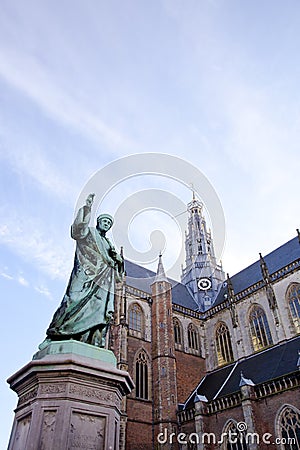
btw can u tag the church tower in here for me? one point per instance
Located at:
(163, 358)
(202, 274)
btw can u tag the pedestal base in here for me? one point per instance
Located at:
(68, 401)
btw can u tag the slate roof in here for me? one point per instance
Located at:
(261, 367)
(141, 278)
(276, 260)
(182, 297)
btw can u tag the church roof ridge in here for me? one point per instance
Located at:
(252, 274)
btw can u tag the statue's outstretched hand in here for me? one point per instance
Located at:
(89, 200)
(79, 228)
(86, 209)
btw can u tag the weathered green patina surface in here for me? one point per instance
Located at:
(88, 304)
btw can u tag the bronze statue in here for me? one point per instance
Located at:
(88, 304)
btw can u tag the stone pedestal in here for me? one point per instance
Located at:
(70, 398)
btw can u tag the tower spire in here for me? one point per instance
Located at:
(160, 273)
(202, 274)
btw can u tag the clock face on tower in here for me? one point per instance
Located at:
(204, 284)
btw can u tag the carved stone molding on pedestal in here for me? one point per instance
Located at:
(68, 401)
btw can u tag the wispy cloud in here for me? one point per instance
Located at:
(259, 141)
(26, 73)
(43, 290)
(20, 279)
(27, 238)
(6, 275)
(32, 162)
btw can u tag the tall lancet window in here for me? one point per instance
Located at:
(233, 438)
(142, 376)
(293, 298)
(288, 428)
(259, 328)
(177, 332)
(135, 320)
(223, 344)
(193, 337)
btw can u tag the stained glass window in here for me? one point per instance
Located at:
(135, 317)
(259, 328)
(193, 338)
(223, 344)
(289, 428)
(293, 295)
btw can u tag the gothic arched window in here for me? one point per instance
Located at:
(177, 331)
(259, 328)
(223, 344)
(135, 318)
(142, 376)
(293, 298)
(233, 439)
(193, 338)
(288, 428)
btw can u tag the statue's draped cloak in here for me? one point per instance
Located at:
(90, 292)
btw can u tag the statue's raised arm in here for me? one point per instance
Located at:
(80, 227)
(88, 303)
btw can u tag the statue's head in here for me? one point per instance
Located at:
(104, 222)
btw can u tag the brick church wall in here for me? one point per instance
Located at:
(190, 369)
(265, 412)
(139, 434)
(216, 423)
(139, 412)
(135, 344)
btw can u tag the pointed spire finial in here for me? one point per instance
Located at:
(264, 269)
(193, 190)
(230, 288)
(160, 274)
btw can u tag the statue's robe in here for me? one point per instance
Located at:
(90, 293)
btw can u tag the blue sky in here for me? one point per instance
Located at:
(82, 83)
